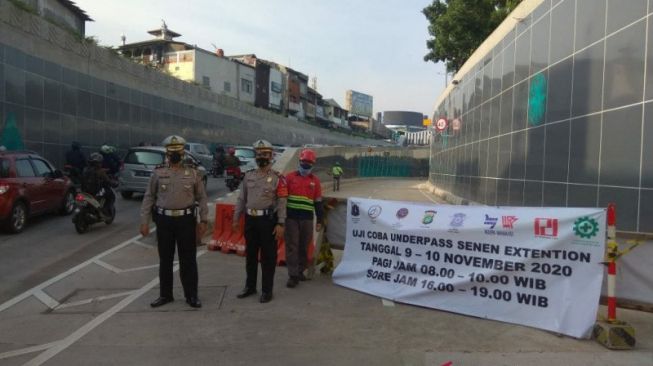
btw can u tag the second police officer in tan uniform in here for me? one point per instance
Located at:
(262, 199)
(172, 194)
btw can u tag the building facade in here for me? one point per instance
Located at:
(555, 109)
(63, 12)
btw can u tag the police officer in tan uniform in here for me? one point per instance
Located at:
(174, 193)
(262, 199)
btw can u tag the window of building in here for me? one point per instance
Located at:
(227, 86)
(4, 168)
(206, 82)
(246, 86)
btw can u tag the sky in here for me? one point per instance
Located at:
(374, 47)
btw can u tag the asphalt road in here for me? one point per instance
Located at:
(50, 245)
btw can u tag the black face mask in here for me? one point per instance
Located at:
(262, 162)
(175, 157)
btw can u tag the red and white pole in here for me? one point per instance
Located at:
(612, 263)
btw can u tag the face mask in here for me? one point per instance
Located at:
(175, 157)
(305, 169)
(262, 162)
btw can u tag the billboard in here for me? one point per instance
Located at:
(358, 103)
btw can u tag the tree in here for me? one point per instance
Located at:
(458, 27)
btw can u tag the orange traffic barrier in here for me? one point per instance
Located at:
(281, 252)
(218, 227)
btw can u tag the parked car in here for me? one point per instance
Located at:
(30, 186)
(201, 152)
(140, 162)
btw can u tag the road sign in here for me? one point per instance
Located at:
(455, 124)
(441, 124)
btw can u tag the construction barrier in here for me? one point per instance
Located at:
(226, 240)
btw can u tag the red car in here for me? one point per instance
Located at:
(29, 186)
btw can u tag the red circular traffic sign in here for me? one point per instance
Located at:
(441, 124)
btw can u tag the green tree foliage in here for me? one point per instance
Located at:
(458, 27)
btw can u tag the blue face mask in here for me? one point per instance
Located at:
(305, 169)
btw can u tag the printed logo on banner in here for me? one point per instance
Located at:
(586, 228)
(429, 216)
(546, 227)
(506, 223)
(457, 221)
(491, 221)
(355, 212)
(401, 213)
(374, 212)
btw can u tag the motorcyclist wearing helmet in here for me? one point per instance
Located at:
(304, 203)
(75, 157)
(173, 196)
(95, 179)
(263, 201)
(111, 161)
(231, 160)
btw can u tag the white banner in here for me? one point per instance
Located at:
(539, 267)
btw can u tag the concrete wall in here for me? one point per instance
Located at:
(222, 73)
(61, 90)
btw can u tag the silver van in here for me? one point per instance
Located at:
(140, 162)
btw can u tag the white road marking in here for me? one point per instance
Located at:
(95, 322)
(95, 299)
(106, 265)
(46, 299)
(33, 290)
(144, 245)
(23, 351)
(419, 188)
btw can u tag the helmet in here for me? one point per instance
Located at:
(96, 158)
(262, 145)
(232, 151)
(174, 143)
(105, 149)
(307, 155)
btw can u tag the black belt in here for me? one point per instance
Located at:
(256, 213)
(175, 213)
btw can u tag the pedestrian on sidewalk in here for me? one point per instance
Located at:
(171, 198)
(304, 203)
(337, 172)
(263, 201)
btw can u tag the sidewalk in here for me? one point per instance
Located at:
(317, 323)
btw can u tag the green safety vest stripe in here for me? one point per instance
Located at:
(299, 207)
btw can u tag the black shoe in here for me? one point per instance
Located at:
(161, 301)
(246, 292)
(265, 297)
(301, 277)
(194, 302)
(292, 283)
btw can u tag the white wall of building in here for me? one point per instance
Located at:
(247, 83)
(219, 74)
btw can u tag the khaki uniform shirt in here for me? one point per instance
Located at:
(174, 189)
(262, 190)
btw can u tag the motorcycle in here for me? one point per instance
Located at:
(233, 178)
(216, 169)
(89, 210)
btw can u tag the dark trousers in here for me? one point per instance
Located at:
(259, 236)
(336, 183)
(298, 235)
(179, 231)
